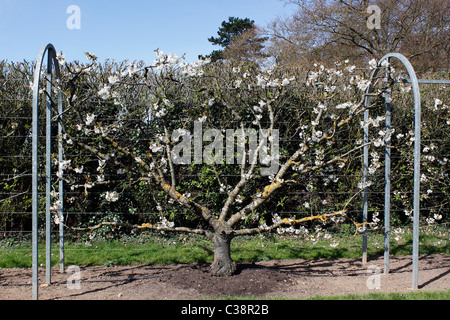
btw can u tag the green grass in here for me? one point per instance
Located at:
(154, 249)
(413, 295)
(107, 253)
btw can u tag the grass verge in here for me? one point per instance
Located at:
(154, 249)
(413, 295)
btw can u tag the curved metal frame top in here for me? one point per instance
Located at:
(417, 124)
(51, 61)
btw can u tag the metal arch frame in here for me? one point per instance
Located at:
(51, 61)
(417, 124)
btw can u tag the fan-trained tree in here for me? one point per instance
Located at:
(215, 148)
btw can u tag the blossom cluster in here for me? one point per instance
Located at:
(168, 62)
(314, 234)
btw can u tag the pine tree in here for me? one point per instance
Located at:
(229, 30)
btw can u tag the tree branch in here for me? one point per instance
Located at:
(144, 226)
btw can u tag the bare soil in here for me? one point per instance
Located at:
(280, 278)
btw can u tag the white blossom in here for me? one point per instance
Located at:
(350, 68)
(373, 63)
(138, 160)
(61, 58)
(202, 119)
(104, 92)
(89, 119)
(79, 169)
(344, 105)
(132, 69)
(88, 185)
(113, 79)
(257, 109)
(111, 196)
(237, 83)
(334, 244)
(364, 185)
(64, 164)
(285, 82)
(437, 103)
(378, 142)
(385, 63)
(363, 84)
(173, 59)
(57, 218)
(155, 147)
(166, 223)
(260, 81)
(313, 76)
(56, 206)
(375, 218)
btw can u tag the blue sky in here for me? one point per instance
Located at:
(123, 29)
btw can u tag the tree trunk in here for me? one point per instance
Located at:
(223, 265)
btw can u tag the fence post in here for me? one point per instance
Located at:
(51, 62)
(48, 164)
(61, 184)
(417, 120)
(34, 182)
(417, 124)
(366, 165)
(387, 176)
(365, 172)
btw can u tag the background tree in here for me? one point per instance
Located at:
(247, 47)
(337, 30)
(239, 39)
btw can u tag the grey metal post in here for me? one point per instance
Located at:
(417, 123)
(34, 180)
(387, 180)
(35, 166)
(48, 180)
(61, 182)
(366, 166)
(417, 120)
(365, 172)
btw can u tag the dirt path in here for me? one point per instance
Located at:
(280, 278)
